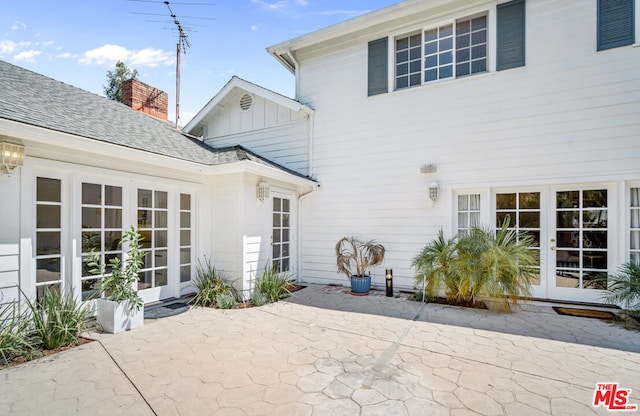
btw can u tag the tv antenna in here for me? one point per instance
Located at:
(183, 41)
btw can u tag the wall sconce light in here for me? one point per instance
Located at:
(11, 156)
(434, 191)
(262, 191)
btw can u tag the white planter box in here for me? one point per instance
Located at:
(116, 317)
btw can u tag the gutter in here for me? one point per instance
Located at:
(296, 67)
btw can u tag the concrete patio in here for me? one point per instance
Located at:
(324, 352)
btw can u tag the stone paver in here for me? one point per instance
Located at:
(324, 352)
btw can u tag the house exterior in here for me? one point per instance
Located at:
(93, 167)
(422, 116)
(521, 109)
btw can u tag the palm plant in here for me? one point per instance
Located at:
(624, 289)
(484, 264)
(354, 257)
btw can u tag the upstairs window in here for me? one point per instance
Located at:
(615, 23)
(448, 51)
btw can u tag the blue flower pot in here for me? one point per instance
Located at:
(360, 284)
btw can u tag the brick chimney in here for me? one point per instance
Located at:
(145, 98)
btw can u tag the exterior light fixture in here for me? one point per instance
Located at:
(434, 191)
(11, 156)
(262, 191)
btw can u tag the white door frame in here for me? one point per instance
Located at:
(293, 236)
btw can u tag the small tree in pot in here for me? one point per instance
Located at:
(122, 307)
(355, 257)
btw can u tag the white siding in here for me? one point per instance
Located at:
(268, 129)
(10, 236)
(570, 115)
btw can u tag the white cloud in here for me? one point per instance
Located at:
(8, 47)
(303, 2)
(19, 25)
(110, 54)
(65, 55)
(273, 6)
(26, 55)
(254, 27)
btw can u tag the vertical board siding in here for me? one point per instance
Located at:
(9, 272)
(569, 115)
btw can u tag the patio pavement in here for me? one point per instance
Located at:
(325, 352)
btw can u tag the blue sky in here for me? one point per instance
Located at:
(78, 41)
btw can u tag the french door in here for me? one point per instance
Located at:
(572, 229)
(282, 233)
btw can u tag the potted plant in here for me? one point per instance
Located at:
(354, 258)
(119, 307)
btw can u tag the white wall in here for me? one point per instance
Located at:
(9, 236)
(570, 115)
(268, 129)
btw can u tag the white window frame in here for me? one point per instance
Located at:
(490, 14)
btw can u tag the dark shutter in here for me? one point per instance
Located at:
(615, 23)
(378, 67)
(511, 35)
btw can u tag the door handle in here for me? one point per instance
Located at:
(553, 240)
(552, 248)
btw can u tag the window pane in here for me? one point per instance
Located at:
(414, 66)
(402, 82)
(91, 217)
(277, 204)
(160, 239)
(430, 48)
(402, 43)
(479, 23)
(48, 216)
(185, 238)
(40, 290)
(161, 258)
(147, 260)
(463, 41)
(415, 53)
(402, 69)
(446, 72)
(462, 55)
(446, 30)
(463, 27)
(568, 219)
(594, 219)
(594, 280)
(463, 202)
(276, 236)
(91, 194)
(185, 273)
(47, 243)
(276, 251)
(414, 40)
(185, 202)
(529, 220)
(431, 61)
(113, 218)
(529, 200)
(595, 199)
(505, 201)
(479, 37)
(145, 280)
(414, 79)
(474, 202)
(402, 56)
(161, 219)
(445, 44)
(144, 198)
(145, 238)
(276, 220)
(285, 220)
(478, 66)
(568, 239)
(463, 69)
(567, 259)
(113, 196)
(185, 255)
(568, 199)
(161, 199)
(48, 190)
(91, 240)
(185, 220)
(502, 216)
(285, 250)
(595, 260)
(478, 52)
(594, 239)
(430, 35)
(47, 270)
(445, 58)
(431, 75)
(112, 240)
(144, 218)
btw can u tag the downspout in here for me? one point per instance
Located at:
(299, 230)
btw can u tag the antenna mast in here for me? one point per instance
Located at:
(181, 46)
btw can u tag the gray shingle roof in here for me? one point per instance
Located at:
(32, 98)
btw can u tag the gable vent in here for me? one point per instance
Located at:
(246, 102)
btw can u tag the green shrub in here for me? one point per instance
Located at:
(273, 284)
(258, 298)
(226, 301)
(485, 264)
(210, 283)
(623, 288)
(15, 338)
(58, 320)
